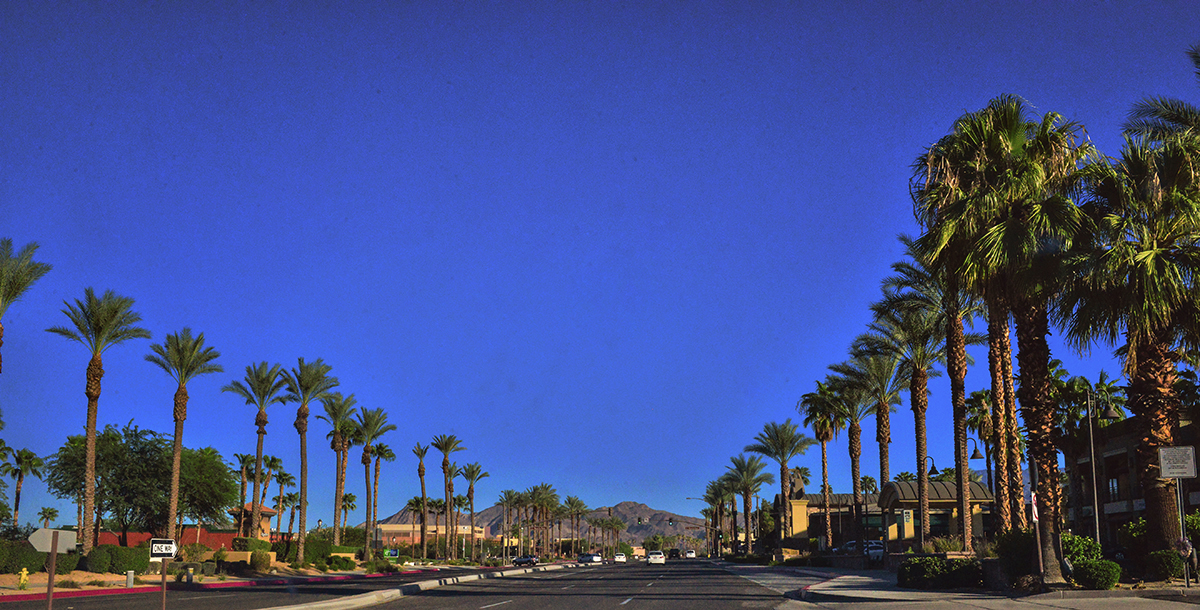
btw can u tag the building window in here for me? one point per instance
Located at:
(1114, 490)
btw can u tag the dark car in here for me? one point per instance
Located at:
(526, 560)
(674, 554)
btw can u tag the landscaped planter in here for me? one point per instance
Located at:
(894, 560)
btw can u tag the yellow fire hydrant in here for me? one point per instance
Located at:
(23, 579)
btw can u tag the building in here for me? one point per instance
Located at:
(394, 534)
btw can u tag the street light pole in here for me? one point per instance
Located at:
(1092, 454)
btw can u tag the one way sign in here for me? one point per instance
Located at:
(162, 548)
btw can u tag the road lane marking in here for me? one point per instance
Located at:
(495, 604)
(568, 586)
(206, 597)
(649, 584)
(625, 602)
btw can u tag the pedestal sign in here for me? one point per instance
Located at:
(162, 548)
(48, 541)
(1179, 463)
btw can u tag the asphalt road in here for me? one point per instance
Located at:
(683, 584)
(234, 598)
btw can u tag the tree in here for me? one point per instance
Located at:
(801, 475)
(447, 444)
(576, 509)
(371, 424)
(307, 382)
(1136, 281)
(472, 474)
(822, 414)
(244, 462)
(99, 323)
(980, 421)
(747, 476)
(383, 453)
(508, 501)
(46, 515)
(855, 404)
(17, 274)
(877, 376)
(420, 451)
(183, 357)
(349, 503)
(284, 480)
(339, 414)
(1159, 118)
(868, 484)
(905, 475)
(272, 464)
(262, 388)
(206, 487)
(782, 442)
(24, 463)
(292, 500)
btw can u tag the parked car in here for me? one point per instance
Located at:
(674, 554)
(873, 549)
(656, 557)
(619, 558)
(690, 554)
(590, 558)
(526, 560)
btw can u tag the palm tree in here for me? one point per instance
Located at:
(17, 274)
(307, 382)
(472, 474)
(24, 463)
(508, 501)
(782, 442)
(869, 486)
(272, 465)
(1158, 118)
(46, 515)
(420, 451)
(371, 424)
(292, 500)
(183, 357)
(801, 475)
(851, 397)
(263, 384)
(245, 462)
(383, 453)
(349, 503)
(878, 375)
(747, 475)
(980, 421)
(821, 413)
(447, 444)
(576, 509)
(339, 414)
(283, 480)
(99, 323)
(437, 507)
(1136, 282)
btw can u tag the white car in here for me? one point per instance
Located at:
(690, 554)
(654, 557)
(619, 558)
(873, 549)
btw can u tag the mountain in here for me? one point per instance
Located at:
(653, 521)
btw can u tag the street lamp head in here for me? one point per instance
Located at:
(933, 471)
(1110, 413)
(976, 455)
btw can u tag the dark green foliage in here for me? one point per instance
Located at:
(316, 549)
(341, 564)
(125, 559)
(342, 549)
(1078, 548)
(15, 533)
(379, 566)
(192, 552)
(99, 559)
(260, 561)
(285, 551)
(1132, 536)
(920, 572)
(250, 544)
(1017, 550)
(1161, 565)
(65, 563)
(17, 555)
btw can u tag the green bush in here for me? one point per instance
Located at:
(1078, 548)
(1132, 536)
(341, 564)
(344, 549)
(100, 558)
(1162, 565)
(1097, 574)
(65, 563)
(250, 544)
(379, 566)
(17, 555)
(285, 551)
(125, 559)
(193, 552)
(962, 573)
(920, 572)
(315, 549)
(260, 561)
(1017, 550)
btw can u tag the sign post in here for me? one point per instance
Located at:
(162, 548)
(47, 541)
(1179, 463)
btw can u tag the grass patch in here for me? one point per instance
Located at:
(97, 583)
(67, 583)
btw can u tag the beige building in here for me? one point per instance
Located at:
(391, 534)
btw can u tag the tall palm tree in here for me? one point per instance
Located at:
(420, 451)
(371, 424)
(339, 414)
(24, 463)
(437, 507)
(447, 444)
(981, 422)
(1137, 282)
(1159, 118)
(383, 453)
(291, 500)
(183, 357)
(283, 481)
(99, 323)
(245, 462)
(576, 509)
(307, 382)
(46, 515)
(747, 475)
(17, 274)
(824, 416)
(782, 442)
(349, 503)
(262, 387)
(879, 377)
(851, 397)
(472, 474)
(802, 476)
(508, 501)
(272, 464)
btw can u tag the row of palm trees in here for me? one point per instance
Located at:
(536, 513)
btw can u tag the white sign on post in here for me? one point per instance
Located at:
(162, 548)
(42, 537)
(1177, 462)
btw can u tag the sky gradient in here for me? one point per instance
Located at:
(602, 243)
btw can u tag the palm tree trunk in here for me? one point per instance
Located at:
(17, 498)
(375, 499)
(424, 511)
(1153, 401)
(302, 430)
(746, 517)
(1016, 479)
(826, 495)
(1033, 355)
(855, 434)
(255, 508)
(883, 436)
(471, 497)
(997, 333)
(241, 524)
(919, 399)
(366, 462)
(339, 487)
(956, 368)
(785, 508)
(449, 500)
(95, 371)
(180, 414)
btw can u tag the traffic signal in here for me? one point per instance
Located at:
(670, 521)
(639, 520)
(720, 535)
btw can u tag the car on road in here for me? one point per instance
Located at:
(690, 554)
(526, 560)
(590, 558)
(674, 554)
(619, 558)
(654, 557)
(873, 549)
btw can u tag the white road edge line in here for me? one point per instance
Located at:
(650, 584)
(568, 586)
(495, 604)
(625, 602)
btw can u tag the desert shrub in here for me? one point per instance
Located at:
(962, 573)
(96, 583)
(193, 552)
(943, 544)
(67, 583)
(353, 536)
(379, 566)
(286, 551)
(1077, 548)
(1098, 574)
(250, 544)
(260, 561)
(125, 559)
(64, 563)
(1017, 550)
(341, 564)
(319, 548)
(220, 554)
(1162, 565)
(322, 566)
(920, 572)
(344, 549)
(17, 555)
(99, 559)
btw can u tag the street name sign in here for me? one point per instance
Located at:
(162, 548)
(42, 539)
(1177, 462)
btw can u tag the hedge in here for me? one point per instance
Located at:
(64, 563)
(260, 561)
(1098, 574)
(1078, 548)
(17, 555)
(125, 559)
(1162, 565)
(99, 559)
(938, 573)
(316, 549)
(341, 564)
(251, 544)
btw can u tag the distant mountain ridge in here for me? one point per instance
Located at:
(653, 521)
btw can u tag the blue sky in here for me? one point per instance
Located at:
(602, 243)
